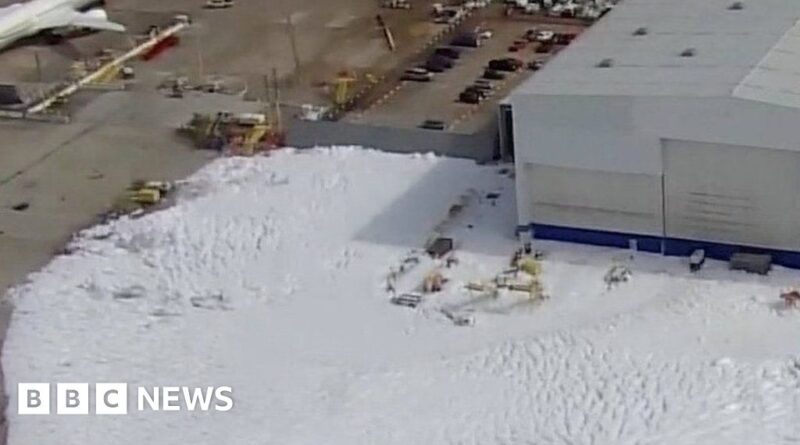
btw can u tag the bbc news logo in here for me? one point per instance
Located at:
(112, 398)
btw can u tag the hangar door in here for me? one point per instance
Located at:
(731, 194)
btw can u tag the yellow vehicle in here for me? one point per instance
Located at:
(146, 196)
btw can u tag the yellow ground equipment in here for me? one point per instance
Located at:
(147, 193)
(344, 81)
(433, 282)
(530, 266)
(146, 196)
(241, 134)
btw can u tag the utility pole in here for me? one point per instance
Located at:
(293, 42)
(273, 101)
(277, 97)
(38, 66)
(200, 67)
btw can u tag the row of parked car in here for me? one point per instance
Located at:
(443, 58)
(483, 87)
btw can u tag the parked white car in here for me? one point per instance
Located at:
(545, 36)
(483, 34)
(533, 8)
(218, 4)
(476, 4)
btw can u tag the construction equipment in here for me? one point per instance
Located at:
(147, 193)
(145, 196)
(242, 134)
(458, 319)
(433, 282)
(696, 260)
(178, 86)
(751, 262)
(344, 81)
(617, 274)
(533, 288)
(530, 266)
(478, 286)
(408, 300)
(127, 72)
(440, 247)
(791, 298)
(247, 142)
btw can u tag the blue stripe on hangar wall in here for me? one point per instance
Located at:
(656, 244)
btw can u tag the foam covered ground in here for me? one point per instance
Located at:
(268, 275)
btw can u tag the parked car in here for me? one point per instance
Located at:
(544, 48)
(483, 94)
(484, 34)
(532, 8)
(493, 74)
(535, 65)
(487, 89)
(517, 45)
(396, 4)
(416, 76)
(447, 14)
(218, 4)
(438, 64)
(530, 34)
(475, 4)
(442, 60)
(432, 124)
(417, 70)
(506, 64)
(434, 67)
(468, 40)
(545, 36)
(484, 83)
(563, 38)
(469, 97)
(451, 53)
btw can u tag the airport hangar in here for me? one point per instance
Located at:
(668, 126)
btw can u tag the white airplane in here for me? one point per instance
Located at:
(21, 20)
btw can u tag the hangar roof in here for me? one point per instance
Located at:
(741, 48)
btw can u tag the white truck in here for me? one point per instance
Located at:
(218, 4)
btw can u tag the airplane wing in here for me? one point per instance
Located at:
(83, 20)
(67, 17)
(9, 8)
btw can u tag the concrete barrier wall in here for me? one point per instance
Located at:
(481, 146)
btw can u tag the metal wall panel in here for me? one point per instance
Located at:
(731, 194)
(589, 199)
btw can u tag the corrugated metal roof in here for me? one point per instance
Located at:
(752, 52)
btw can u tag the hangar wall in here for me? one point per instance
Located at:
(606, 164)
(732, 194)
(573, 197)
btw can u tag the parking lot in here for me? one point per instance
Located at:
(409, 103)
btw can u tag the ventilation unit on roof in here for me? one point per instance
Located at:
(605, 63)
(640, 31)
(688, 52)
(736, 6)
